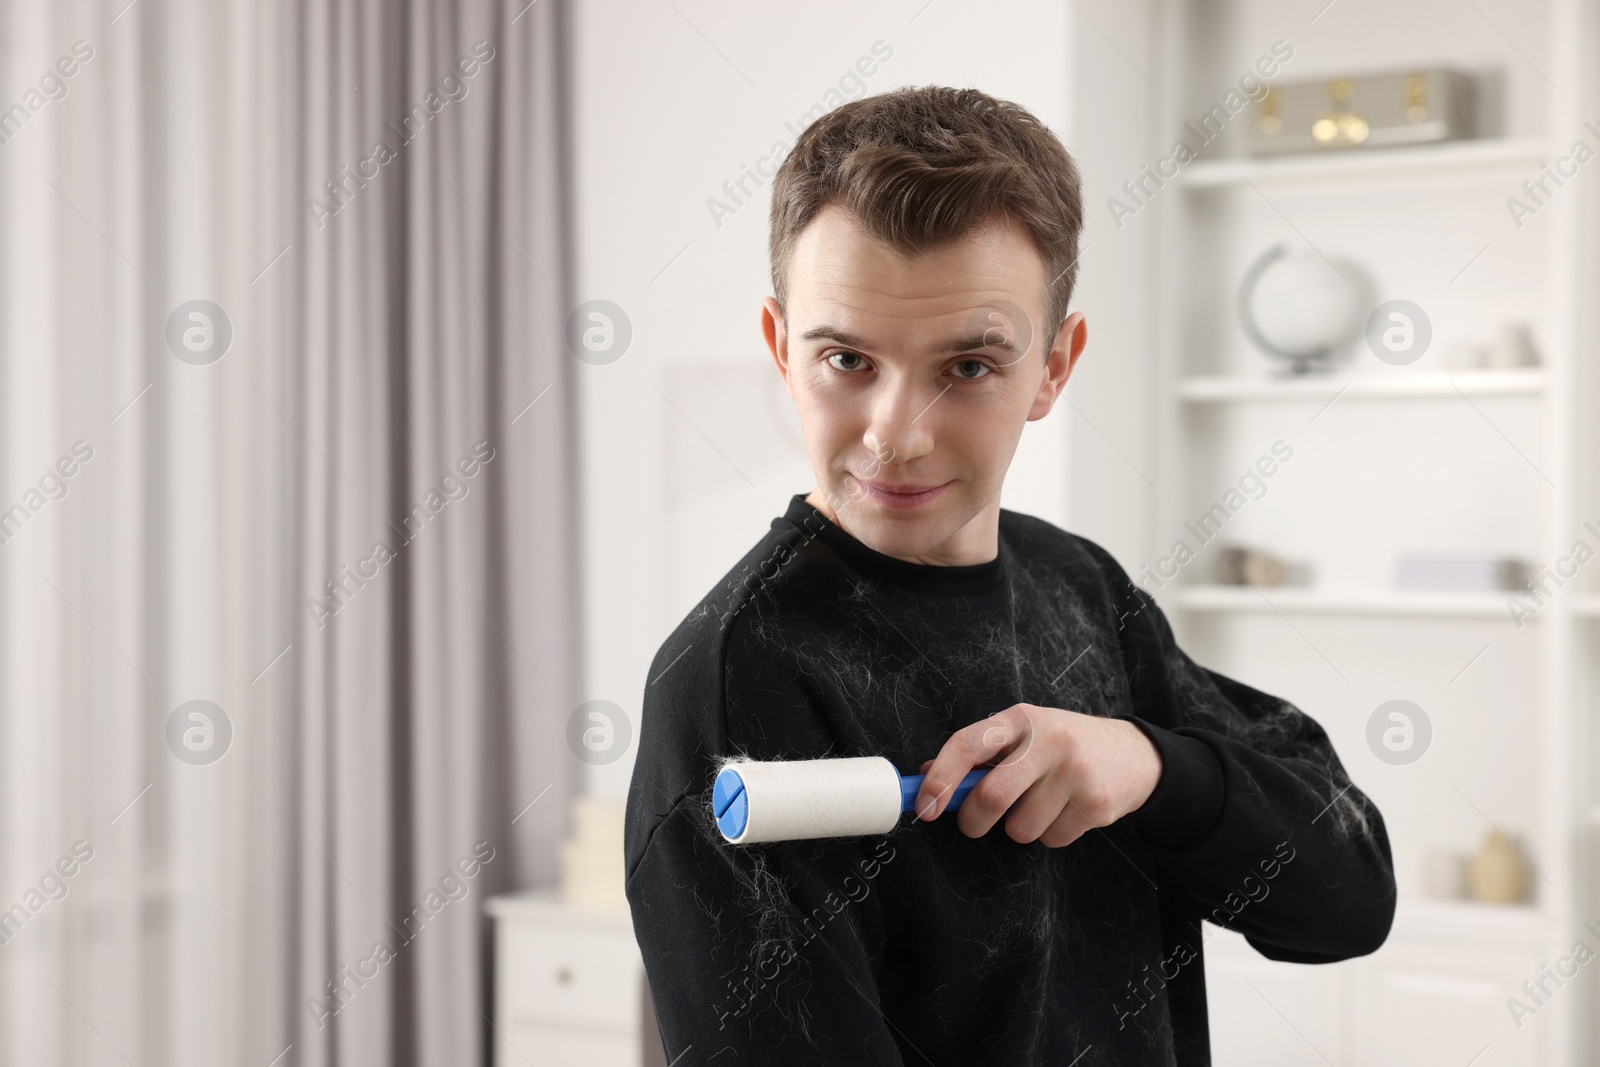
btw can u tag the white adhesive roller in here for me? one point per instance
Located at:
(756, 801)
(800, 799)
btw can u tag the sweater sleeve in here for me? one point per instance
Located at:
(755, 948)
(1254, 818)
(764, 953)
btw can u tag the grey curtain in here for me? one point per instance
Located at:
(433, 662)
(333, 513)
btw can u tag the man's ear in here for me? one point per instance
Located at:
(1069, 343)
(772, 328)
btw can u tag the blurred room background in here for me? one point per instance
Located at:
(381, 382)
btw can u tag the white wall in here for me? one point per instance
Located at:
(1116, 70)
(673, 101)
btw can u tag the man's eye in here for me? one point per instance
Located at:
(977, 363)
(844, 355)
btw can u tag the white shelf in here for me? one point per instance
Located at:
(546, 904)
(1451, 159)
(1399, 386)
(1224, 598)
(1459, 920)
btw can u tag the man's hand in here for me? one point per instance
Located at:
(1072, 772)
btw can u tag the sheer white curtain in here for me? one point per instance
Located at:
(131, 584)
(224, 781)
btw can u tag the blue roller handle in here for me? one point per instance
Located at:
(911, 783)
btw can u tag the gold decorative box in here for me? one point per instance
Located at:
(1369, 111)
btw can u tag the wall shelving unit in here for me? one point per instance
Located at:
(1395, 458)
(1244, 387)
(1224, 598)
(1426, 162)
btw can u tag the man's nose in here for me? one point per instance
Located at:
(901, 425)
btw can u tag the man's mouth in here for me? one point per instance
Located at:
(900, 494)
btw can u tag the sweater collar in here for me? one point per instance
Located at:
(916, 577)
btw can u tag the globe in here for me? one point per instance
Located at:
(1296, 305)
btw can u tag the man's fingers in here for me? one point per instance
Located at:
(924, 807)
(999, 732)
(996, 794)
(1070, 825)
(967, 748)
(1036, 811)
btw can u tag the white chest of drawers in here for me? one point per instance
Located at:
(569, 985)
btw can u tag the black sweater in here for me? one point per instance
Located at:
(925, 945)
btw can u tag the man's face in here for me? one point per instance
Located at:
(917, 374)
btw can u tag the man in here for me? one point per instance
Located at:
(920, 239)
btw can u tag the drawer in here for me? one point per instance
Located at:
(551, 1046)
(1443, 1005)
(574, 975)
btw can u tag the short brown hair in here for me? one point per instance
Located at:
(923, 166)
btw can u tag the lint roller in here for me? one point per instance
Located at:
(798, 800)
